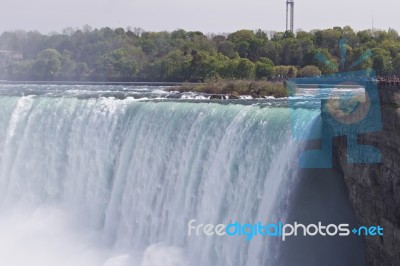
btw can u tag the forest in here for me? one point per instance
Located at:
(133, 54)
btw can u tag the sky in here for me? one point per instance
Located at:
(208, 16)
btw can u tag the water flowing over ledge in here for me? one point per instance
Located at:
(137, 172)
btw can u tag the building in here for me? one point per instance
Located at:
(7, 57)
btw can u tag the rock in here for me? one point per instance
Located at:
(233, 97)
(374, 189)
(217, 96)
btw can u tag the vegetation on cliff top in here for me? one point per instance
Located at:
(135, 55)
(236, 88)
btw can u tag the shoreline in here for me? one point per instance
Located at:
(236, 88)
(150, 83)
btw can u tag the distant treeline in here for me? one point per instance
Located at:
(136, 55)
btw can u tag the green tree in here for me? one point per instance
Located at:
(175, 66)
(47, 65)
(396, 65)
(227, 48)
(245, 69)
(381, 61)
(264, 68)
(310, 71)
(328, 39)
(242, 39)
(285, 71)
(323, 60)
(117, 66)
(135, 54)
(356, 55)
(203, 66)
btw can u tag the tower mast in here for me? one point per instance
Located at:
(290, 15)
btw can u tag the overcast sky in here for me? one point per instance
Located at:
(205, 15)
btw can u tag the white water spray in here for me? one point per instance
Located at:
(115, 182)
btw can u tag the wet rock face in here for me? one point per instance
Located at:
(374, 189)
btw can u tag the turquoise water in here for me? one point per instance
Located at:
(108, 181)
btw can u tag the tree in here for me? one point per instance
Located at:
(304, 35)
(365, 36)
(203, 66)
(323, 60)
(18, 71)
(264, 68)
(290, 51)
(242, 39)
(271, 50)
(136, 55)
(227, 48)
(328, 39)
(396, 65)
(69, 31)
(310, 71)
(292, 72)
(228, 69)
(47, 65)
(285, 71)
(381, 61)
(116, 66)
(245, 69)
(359, 55)
(175, 66)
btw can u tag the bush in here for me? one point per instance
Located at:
(264, 68)
(285, 71)
(310, 71)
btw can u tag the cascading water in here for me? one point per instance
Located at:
(105, 181)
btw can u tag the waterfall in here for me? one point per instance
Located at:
(117, 181)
